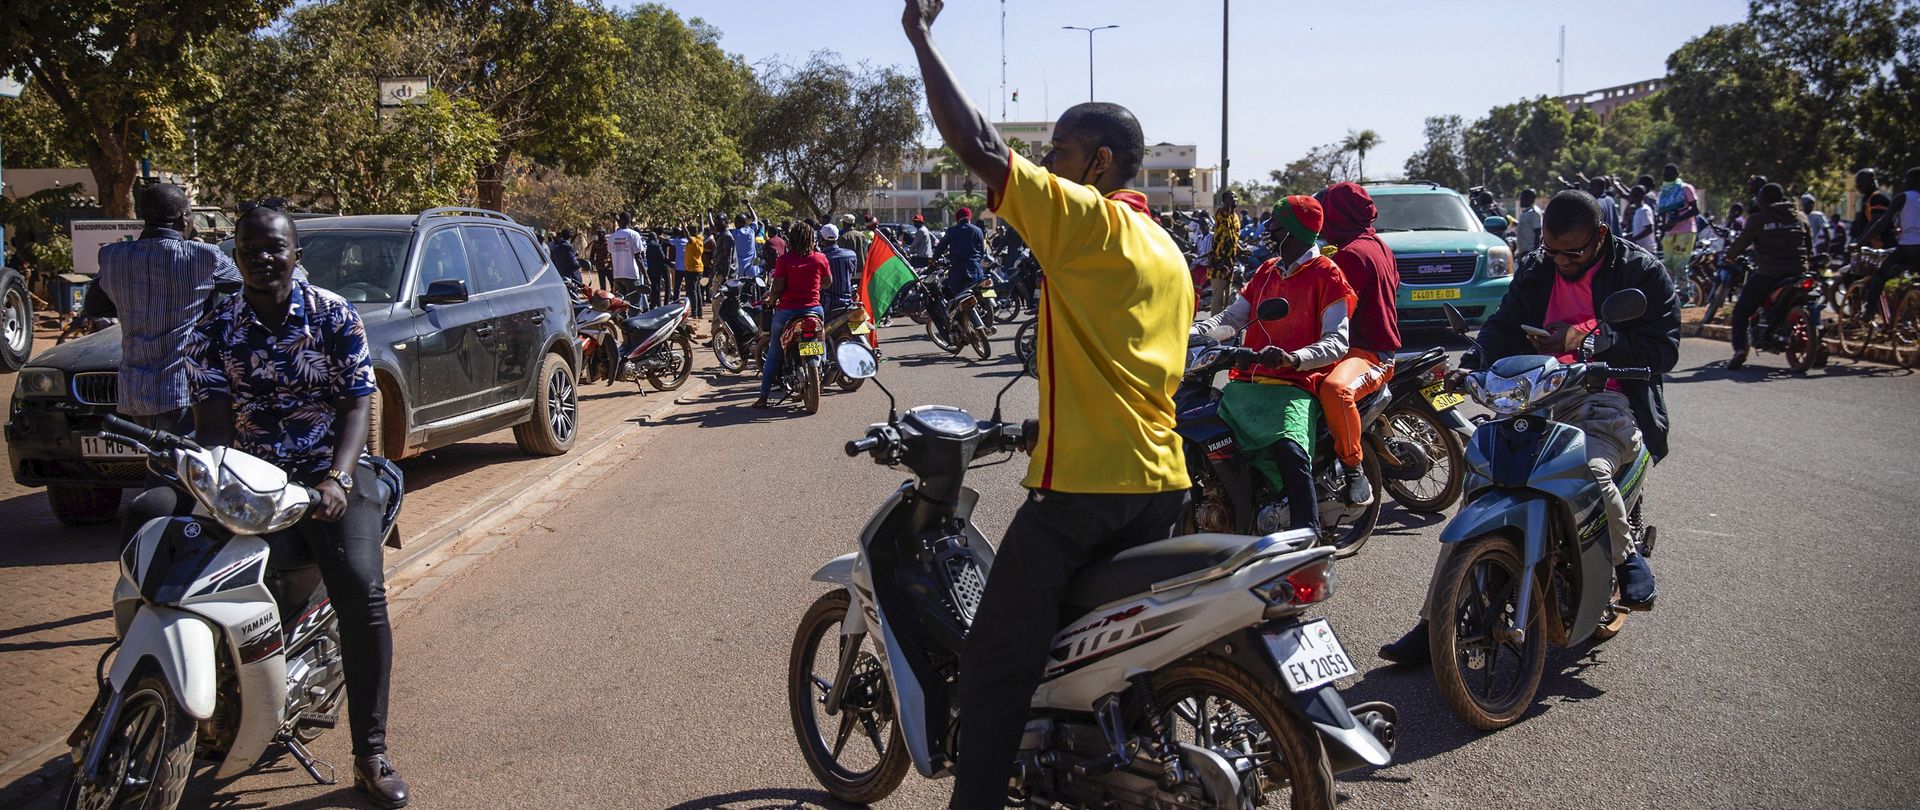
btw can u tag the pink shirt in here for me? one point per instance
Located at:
(1572, 302)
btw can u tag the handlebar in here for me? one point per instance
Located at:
(1626, 373)
(118, 428)
(866, 445)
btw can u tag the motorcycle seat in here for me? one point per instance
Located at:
(587, 319)
(646, 323)
(1132, 571)
(1410, 365)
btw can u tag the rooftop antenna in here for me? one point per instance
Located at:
(1562, 61)
(1003, 60)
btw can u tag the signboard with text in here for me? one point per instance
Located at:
(90, 234)
(403, 90)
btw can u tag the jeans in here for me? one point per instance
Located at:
(1053, 535)
(1752, 296)
(662, 283)
(770, 370)
(1354, 378)
(689, 286)
(353, 567)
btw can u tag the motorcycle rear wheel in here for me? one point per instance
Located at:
(940, 340)
(1354, 535)
(1478, 592)
(1442, 446)
(153, 741)
(1803, 339)
(810, 388)
(682, 347)
(726, 351)
(868, 705)
(1200, 699)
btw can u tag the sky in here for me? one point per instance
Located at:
(1303, 74)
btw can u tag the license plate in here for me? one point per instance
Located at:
(1439, 398)
(1448, 294)
(989, 294)
(812, 348)
(96, 447)
(1309, 655)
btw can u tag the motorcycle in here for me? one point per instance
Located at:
(1789, 323)
(966, 325)
(737, 341)
(1421, 436)
(845, 325)
(1527, 559)
(1014, 282)
(1228, 494)
(656, 344)
(221, 640)
(803, 350)
(1188, 675)
(1714, 280)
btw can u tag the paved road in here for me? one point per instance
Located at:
(629, 650)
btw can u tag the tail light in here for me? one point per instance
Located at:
(1301, 586)
(1806, 284)
(1436, 374)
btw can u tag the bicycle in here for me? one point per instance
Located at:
(1896, 316)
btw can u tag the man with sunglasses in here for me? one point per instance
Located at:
(1559, 289)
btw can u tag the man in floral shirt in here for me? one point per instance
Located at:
(282, 372)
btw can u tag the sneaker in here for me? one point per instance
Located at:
(1636, 583)
(1411, 649)
(1358, 489)
(1738, 362)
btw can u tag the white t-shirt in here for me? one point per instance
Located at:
(624, 245)
(1643, 221)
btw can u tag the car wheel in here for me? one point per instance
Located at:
(556, 411)
(16, 322)
(386, 426)
(83, 506)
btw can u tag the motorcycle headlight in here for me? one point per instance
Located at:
(1508, 397)
(41, 382)
(1499, 262)
(244, 511)
(199, 477)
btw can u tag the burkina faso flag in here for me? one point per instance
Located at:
(881, 280)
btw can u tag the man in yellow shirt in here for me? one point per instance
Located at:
(696, 264)
(1107, 470)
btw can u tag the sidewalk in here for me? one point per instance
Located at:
(56, 618)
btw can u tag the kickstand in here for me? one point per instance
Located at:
(308, 761)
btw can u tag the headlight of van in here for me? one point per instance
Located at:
(1499, 261)
(41, 382)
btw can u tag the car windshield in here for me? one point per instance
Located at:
(360, 266)
(1423, 212)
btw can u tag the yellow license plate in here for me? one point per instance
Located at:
(861, 328)
(989, 294)
(1439, 398)
(1449, 294)
(812, 348)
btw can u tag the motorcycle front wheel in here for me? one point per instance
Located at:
(1440, 487)
(726, 350)
(149, 755)
(1347, 540)
(810, 388)
(1486, 677)
(934, 334)
(680, 350)
(860, 771)
(1211, 703)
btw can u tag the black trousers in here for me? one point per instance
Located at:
(1052, 536)
(1752, 296)
(689, 286)
(1303, 496)
(351, 563)
(662, 282)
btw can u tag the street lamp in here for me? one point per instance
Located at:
(1089, 51)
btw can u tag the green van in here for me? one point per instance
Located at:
(1444, 253)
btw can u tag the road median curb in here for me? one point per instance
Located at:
(1878, 353)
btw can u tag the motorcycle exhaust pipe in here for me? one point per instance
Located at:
(1379, 720)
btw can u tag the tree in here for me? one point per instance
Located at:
(1360, 143)
(1886, 131)
(1441, 160)
(947, 164)
(1323, 166)
(683, 116)
(546, 197)
(120, 71)
(827, 131)
(35, 133)
(1254, 195)
(1741, 111)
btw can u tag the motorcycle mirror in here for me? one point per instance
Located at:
(856, 360)
(1458, 322)
(1272, 309)
(1624, 305)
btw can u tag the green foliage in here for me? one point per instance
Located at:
(1360, 143)
(1442, 160)
(1743, 111)
(35, 134)
(52, 256)
(828, 131)
(120, 72)
(948, 203)
(1321, 167)
(681, 101)
(545, 197)
(1887, 127)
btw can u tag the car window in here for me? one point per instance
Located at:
(360, 266)
(443, 257)
(1423, 212)
(531, 257)
(490, 260)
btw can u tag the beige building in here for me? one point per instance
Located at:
(1605, 100)
(1169, 176)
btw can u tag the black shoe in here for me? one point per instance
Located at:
(376, 777)
(1358, 489)
(1738, 362)
(1411, 649)
(1636, 583)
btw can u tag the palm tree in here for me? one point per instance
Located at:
(1360, 143)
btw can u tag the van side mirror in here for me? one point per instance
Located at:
(1624, 305)
(444, 291)
(1495, 225)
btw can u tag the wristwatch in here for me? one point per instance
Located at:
(343, 478)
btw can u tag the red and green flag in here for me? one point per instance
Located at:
(881, 280)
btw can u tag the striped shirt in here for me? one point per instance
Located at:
(158, 285)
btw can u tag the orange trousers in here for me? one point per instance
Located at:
(1358, 374)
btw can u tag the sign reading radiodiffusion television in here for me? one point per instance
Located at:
(90, 234)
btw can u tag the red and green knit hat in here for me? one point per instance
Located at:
(1301, 216)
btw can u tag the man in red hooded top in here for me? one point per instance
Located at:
(1271, 404)
(1372, 337)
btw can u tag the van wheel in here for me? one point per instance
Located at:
(16, 322)
(556, 411)
(83, 506)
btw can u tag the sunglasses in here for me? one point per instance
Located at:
(1570, 254)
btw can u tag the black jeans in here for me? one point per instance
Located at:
(1303, 496)
(1052, 536)
(352, 565)
(1752, 296)
(689, 286)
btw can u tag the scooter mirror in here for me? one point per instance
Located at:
(1624, 305)
(1272, 309)
(856, 360)
(1458, 322)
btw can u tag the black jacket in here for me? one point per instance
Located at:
(1650, 341)
(1782, 241)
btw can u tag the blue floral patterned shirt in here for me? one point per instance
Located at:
(284, 382)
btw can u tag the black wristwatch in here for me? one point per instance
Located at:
(343, 478)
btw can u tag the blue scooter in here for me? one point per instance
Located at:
(1527, 559)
